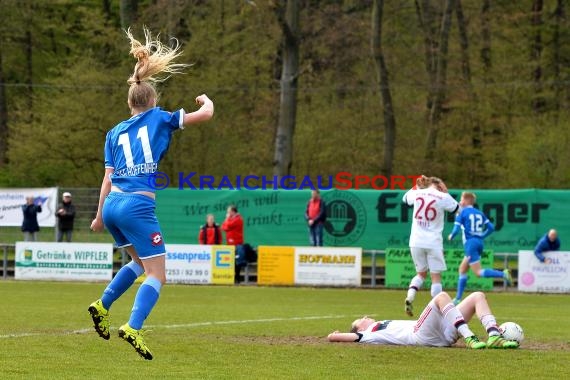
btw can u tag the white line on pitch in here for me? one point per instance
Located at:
(178, 326)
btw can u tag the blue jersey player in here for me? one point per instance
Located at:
(133, 150)
(476, 227)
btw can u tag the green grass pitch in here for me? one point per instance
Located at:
(243, 332)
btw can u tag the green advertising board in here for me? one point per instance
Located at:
(370, 219)
(400, 270)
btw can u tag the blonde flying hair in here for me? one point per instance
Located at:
(153, 58)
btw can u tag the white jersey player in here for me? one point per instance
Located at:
(430, 200)
(440, 325)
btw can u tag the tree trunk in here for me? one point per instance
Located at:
(107, 10)
(3, 116)
(383, 81)
(128, 11)
(283, 158)
(473, 112)
(440, 80)
(29, 63)
(464, 44)
(538, 102)
(485, 53)
(426, 19)
(556, 56)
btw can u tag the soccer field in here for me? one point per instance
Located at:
(207, 332)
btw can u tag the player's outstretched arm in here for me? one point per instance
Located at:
(343, 337)
(205, 112)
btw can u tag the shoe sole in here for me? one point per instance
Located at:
(409, 309)
(95, 316)
(129, 339)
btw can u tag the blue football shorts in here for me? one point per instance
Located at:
(473, 250)
(130, 218)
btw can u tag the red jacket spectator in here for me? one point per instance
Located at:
(316, 210)
(233, 225)
(210, 234)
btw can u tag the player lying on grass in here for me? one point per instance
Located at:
(440, 325)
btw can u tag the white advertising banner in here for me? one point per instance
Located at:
(12, 200)
(535, 276)
(334, 266)
(199, 264)
(64, 261)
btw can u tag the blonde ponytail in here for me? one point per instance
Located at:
(153, 58)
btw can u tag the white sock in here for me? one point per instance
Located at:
(452, 315)
(436, 288)
(490, 324)
(415, 285)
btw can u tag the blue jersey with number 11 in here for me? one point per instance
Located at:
(474, 223)
(135, 146)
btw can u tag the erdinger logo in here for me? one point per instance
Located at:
(346, 218)
(156, 238)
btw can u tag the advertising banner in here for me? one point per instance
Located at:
(199, 264)
(328, 266)
(400, 270)
(64, 261)
(551, 277)
(332, 266)
(371, 219)
(275, 265)
(12, 200)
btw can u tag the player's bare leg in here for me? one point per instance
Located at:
(415, 285)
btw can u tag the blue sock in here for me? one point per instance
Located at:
(144, 302)
(461, 284)
(123, 280)
(492, 273)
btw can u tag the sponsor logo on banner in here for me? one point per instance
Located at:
(328, 266)
(199, 264)
(223, 265)
(188, 263)
(223, 259)
(346, 218)
(64, 261)
(275, 265)
(551, 277)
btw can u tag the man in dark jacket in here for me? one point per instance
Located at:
(30, 226)
(315, 215)
(65, 215)
(548, 242)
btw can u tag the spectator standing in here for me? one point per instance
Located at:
(233, 226)
(210, 233)
(65, 217)
(30, 226)
(549, 242)
(315, 215)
